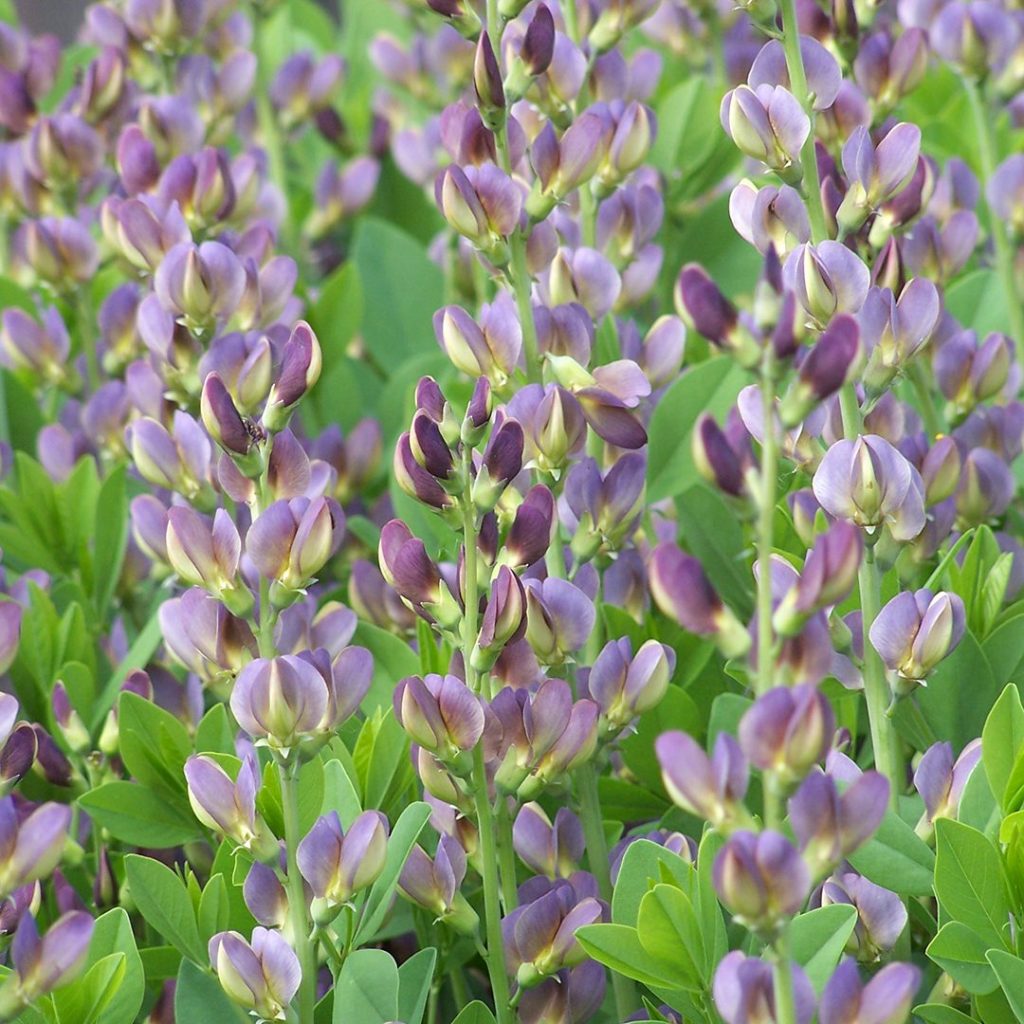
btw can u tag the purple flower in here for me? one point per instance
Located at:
(915, 630)
(406, 567)
(43, 964)
(227, 805)
(881, 914)
(870, 483)
(201, 283)
(262, 976)
(761, 878)
(877, 173)
(820, 67)
(827, 278)
(770, 217)
(626, 685)
(32, 848)
(434, 884)
(337, 864)
(829, 826)
(941, 780)
(825, 368)
(895, 329)
(886, 999)
(553, 425)
(490, 348)
(712, 788)
(682, 591)
(292, 540)
(440, 714)
(768, 124)
(788, 730)
(559, 618)
(744, 991)
(550, 849)
(204, 636)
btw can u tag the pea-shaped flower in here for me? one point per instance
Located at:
(744, 991)
(886, 999)
(434, 884)
(549, 848)
(262, 976)
(290, 700)
(767, 124)
(915, 631)
(940, 780)
(869, 482)
(43, 963)
(441, 714)
(710, 787)
(32, 848)
(338, 864)
(761, 878)
(625, 685)
(788, 729)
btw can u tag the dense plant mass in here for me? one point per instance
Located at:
(509, 513)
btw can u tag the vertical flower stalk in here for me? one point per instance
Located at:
(808, 156)
(984, 121)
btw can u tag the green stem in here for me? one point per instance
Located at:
(87, 335)
(765, 531)
(774, 801)
(984, 122)
(925, 400)
(507, 857)
(265, 630)
(808, 156)
(495, 952)
(305, 999)
(623, 989)
(850, 411)
(884, 740)
(519, 277)
(782, 972)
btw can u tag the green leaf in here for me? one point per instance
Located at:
(393, 659)
(961, 952)
(668, 930)
(163, 901)
(978, 302)
(403, 837)
(113, 934)
(153, 743)
(817, 940)
(214, 912)
(136, 815)
(475, 1012)
(401, 285)
(711, 386)
(340, 794)
(214, 733)
(642, 867)
(138, 655)
(415, 977)
(85, 999)
(1010, 972)
(896, 858)
(676, 711)
(618, 946)
(366, 991)
(1002, 739)
(199, 999)
(110, 540)
(969, 880)
(940, 1013)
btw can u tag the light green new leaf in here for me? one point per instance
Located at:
(366, 991)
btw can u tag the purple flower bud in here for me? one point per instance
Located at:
(706, 310)
(338, 864)
(300, 370)
(683, 592)
(887, 998)
(717, 459)
(831, 362)
(406, 567)
(877, 173)
(761, 878)
(625, 685)
(292, 540)
(915, 630)
(550, 849)
(941, 470)
(37, 348)
(744, 991)
(968, 373)
(43, 964)
(540, 936)
(202, 284)
(222, 420)
(828, 278)
(770, 217)
(204, 636)
(491, 349)
(530, 534)
(434, 884)
(712, 788)
(881, 913)
(768, 124)
(941, 781)
(503, 620)
(977, 37)
(829, 826)
(822, 70)
(32, 848)
(987, 487)
(539, 42)
(440, 713)
(502, 461)
(414, 479)
(59, 251)
(895, 330)
(828, 576)
(559, 619)
(263, 976)
(265, 896)
(487, 83)
(227, 805)
(870, 483)
(788, 730)
(482, 203)
(1005, 192)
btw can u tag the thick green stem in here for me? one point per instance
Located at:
(884, 740)
(506, 857)
(623, 989)
(765, 531)
(925, 400)
(984, 123)
(305, 998)
(808, 156)
(519, 277)
(782, 972)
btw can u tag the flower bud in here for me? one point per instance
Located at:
(744, 991)
(887, 998)
(300, 370)
(338, 864)
(262, 977)
(434, 884)
(503, 620)
(554, 850)
(624, 685)
(44, 964)
(441, 714)
(711, 788)
(761, 878)
(826, 368)
(788, 730)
